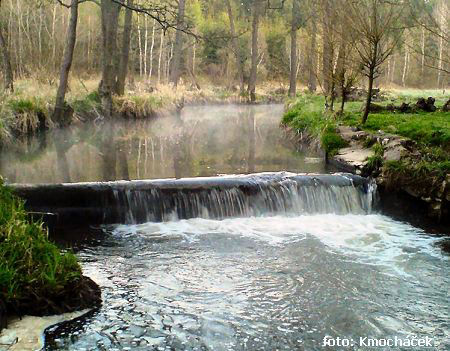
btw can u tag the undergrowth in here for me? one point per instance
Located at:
(31, 267)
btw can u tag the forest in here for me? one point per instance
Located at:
(114, 46)
(223, 174)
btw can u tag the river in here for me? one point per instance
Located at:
(283, 279)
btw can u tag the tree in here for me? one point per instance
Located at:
(236, 49)
(178, 45)
(109, 17)
(295, 24)
(312, 56)
(376, 29)
(256, 13)
(62, 112)
(8, 73)
(125, 54)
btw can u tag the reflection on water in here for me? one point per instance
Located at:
(262, 283)
(205, 141)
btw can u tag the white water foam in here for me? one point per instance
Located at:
(373, 239)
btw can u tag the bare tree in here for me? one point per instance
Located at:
(125, 54)
(312, 56)
(295, 25)
(376, 28)
(256, 13)
(178, 45)
(62, 112)
(109, 16)
(8, 73)
(237, 51)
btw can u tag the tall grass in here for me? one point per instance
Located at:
(31, 267)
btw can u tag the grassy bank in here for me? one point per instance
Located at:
(430, 132)
(35, 276)
(29, 108)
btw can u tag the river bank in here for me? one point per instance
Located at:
(36, 277)
(29, 109)
(406, 154)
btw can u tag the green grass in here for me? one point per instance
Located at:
(375, 162)
(31, 267)
(306, 115)
(430, 129)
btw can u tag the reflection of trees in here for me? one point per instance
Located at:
(251, 123)
(108, 152)
(62, 141)
(182, 156)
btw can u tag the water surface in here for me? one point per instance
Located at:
(203, 141)
(262, 283)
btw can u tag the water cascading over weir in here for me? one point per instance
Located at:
(219, 197)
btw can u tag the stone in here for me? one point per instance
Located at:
(9, 338)
(446, 107)
(354, 156)
(426, 105)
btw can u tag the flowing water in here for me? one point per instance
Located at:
(272, 261)
(280, 282)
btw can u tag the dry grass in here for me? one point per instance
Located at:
(30, 106)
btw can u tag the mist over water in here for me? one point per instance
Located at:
(277, 268)
(203, 141)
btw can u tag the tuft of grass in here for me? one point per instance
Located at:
(375, 162)
(306, 115)
(31, 267)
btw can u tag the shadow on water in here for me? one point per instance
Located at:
(202, 141)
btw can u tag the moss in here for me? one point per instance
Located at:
(35, 275)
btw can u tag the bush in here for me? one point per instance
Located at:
(331, 142)
(31, 267)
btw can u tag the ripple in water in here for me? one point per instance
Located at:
(261, 283)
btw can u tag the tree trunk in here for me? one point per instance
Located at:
(255, 56)
(237, 52)
(145, 45)
(110, 16)
(294, 29)
(327, 57)
(176, 61)
(150, 72)
(161, 41)
(125, 55)
(140, 47)
(8, 73)
(312, 85)
(423, 50)
(61, 113)
(369, 96)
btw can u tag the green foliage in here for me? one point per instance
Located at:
(214, 34)
(87, 104)
(30, 265)
(375, 162)
(331, 142)
(417, 171)
(19, 106)
(305, 115)
(277, 64)
(430, 129)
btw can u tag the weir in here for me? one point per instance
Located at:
(219, 197)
